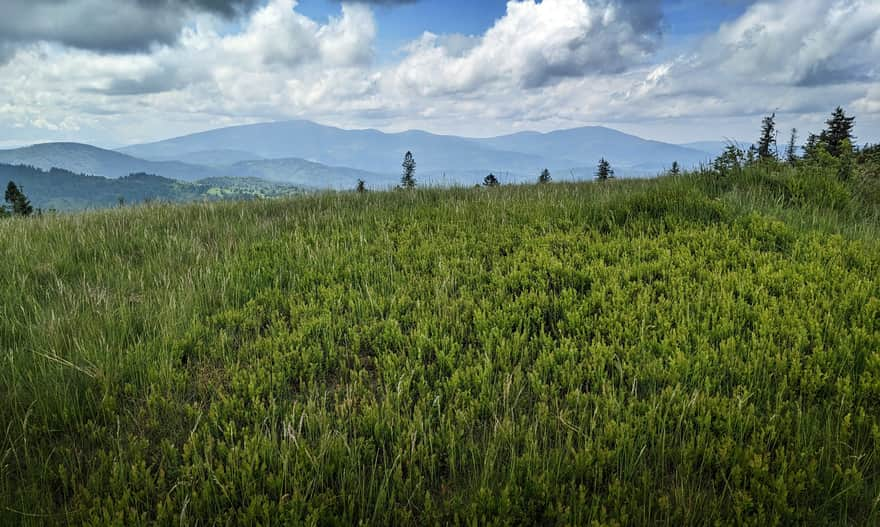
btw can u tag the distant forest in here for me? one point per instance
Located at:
(63, 190)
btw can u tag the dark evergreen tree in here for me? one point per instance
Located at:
(847, 160)
(361, 186)
(812, 146)
(408, 180)
(675, 170)
(732, 159)
(490, 181)
(604, 172)
(767, 142)
(791, 155)
(20, 204)
(545, 177)
(751, 155)
(839, 129)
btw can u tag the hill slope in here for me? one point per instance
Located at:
(306, 174)
(587, 144)
(376, 151)
(63, 190)
(695, 350)
(87, 159)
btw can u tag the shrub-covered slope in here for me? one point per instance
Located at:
(686, 351)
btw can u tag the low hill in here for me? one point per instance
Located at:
(306, 174)
(216, 158)
(588, 144)
(691, 350)
(64, 190)
(87, 159)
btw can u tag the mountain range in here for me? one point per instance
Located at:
(380, 152)
(313, 156)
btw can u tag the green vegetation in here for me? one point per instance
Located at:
(408, 178)
(698, 349)
(19, 204)
(545, 176)
(604, 172)
(63, 190)
(688, 350)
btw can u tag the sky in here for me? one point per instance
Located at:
(131, 71)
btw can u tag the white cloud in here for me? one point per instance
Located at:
(533, 45)
(542, 65)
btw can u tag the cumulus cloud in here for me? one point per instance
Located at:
(796, 56)
(807, 42)
(117, 26)
(277, 34)
(548, 64)
(536, 44)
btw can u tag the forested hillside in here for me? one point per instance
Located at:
(61, 190)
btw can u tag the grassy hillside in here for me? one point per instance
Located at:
(685, 351)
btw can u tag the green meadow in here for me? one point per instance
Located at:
(688, 350)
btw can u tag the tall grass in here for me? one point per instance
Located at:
(682, 351)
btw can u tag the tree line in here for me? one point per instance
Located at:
(836, 141)
(408, 181)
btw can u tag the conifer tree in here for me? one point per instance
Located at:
(731, 160)
(791, 150)
(767, 142)
(675, 170)
(604, 172)
(490, 181)
(408, 180)
(20, 204)
(545, 177)
(751, 155)
(839, 130)
(811, 147)
(847, 160)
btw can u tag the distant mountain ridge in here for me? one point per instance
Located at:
(380, 152)
(314, 156)
(90, 160)
(86, 159)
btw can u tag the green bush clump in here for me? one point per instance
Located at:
(680, 351)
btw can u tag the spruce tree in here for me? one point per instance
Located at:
(731, 160)
(604, 172)
(490, 181)
(752, 155)
(847, 160)
(408, 180)
(675, 170)
(791, 150)
(811, 147)
(767, 142)
(545, 177)
(839, 130)
(20, 204)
